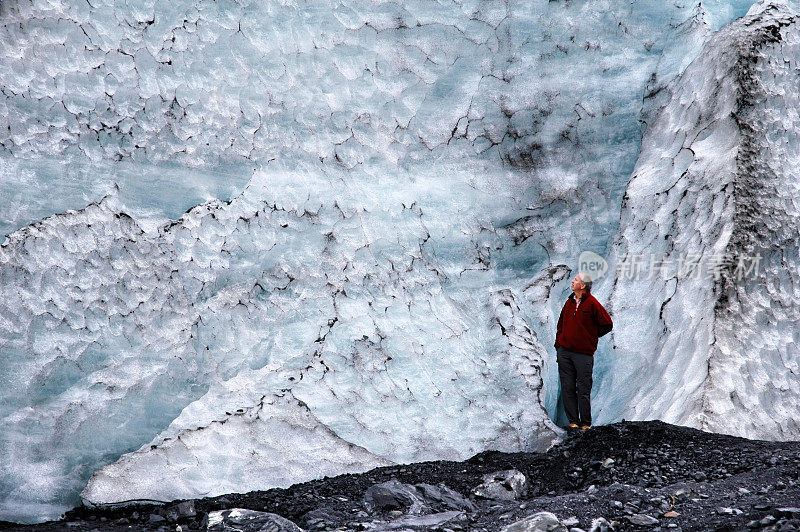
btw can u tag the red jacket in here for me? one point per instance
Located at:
(579, 330)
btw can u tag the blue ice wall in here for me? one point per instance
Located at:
(488, 141)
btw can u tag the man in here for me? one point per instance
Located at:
(583, 320)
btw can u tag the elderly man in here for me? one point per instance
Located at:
(583, 320)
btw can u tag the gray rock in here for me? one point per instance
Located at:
(395, 495)
(728, 511)
(241, 520)
(320, 518)
(444, 495)
(327, 514)
(424, 522)
(642, 520)
(788, 511)
(186, 509)
(538, 522)
(504, 485)
(767, 520)
(171, 514)
(631, 508)
(600, 524)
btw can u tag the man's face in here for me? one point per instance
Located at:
(577, 284)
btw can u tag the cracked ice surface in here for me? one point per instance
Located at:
(229, 84)
(266, 437)
(717, 175)
(384, 284)
(350, 296)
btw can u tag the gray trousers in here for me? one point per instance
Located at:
(575, 373)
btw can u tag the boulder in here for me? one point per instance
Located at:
(504, 485)
(538, 522)
(395, 495)
(444, 495)
(423, 522)
(241, 520)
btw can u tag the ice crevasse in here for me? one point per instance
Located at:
(252, 244)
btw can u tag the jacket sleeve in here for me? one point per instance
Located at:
(604, 323)
(558, 328)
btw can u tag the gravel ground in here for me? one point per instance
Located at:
(638, 475)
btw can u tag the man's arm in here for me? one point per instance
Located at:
(604, 323)
(558, 327)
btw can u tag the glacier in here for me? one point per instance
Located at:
(251, 244)
(723, 170)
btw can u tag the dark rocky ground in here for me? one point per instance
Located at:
(700, 480)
